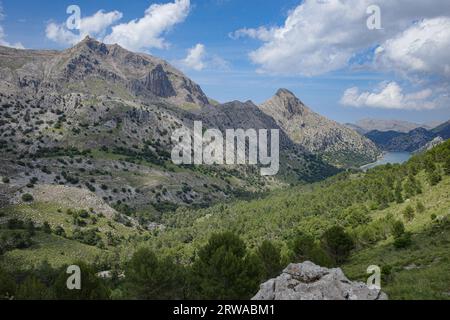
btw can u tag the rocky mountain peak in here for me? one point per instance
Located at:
(92, 45)
(284, 103)
(316, 133)
(284, 92)
(95, 68)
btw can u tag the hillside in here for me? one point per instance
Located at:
(86, 178)
(408, 141)
(366, 125)
(394, 216)
(100, 118)
(338, 144)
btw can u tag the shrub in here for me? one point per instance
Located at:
(27, 197)
(398, 229)
(46, 228)
(14, 224)
(59, 231)
(420, 208)
(403, 241)
(408, 213)
(5, 180)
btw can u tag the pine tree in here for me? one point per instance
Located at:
(149, 278)
(398, 229)
(270, 257)
(398, 193)
(408, 213)
(33, 289)
(337, 243)
(92, 287)
(225, 270)
(420, 208)
(7, 285)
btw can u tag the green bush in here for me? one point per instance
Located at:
(338, 244)
(27, 197)
(270, 257)
(150, 278)
(403, 241)
(408, 213)
(398, 229)
(225, 269)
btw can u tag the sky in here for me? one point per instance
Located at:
(346, 59)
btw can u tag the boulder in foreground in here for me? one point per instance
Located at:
(307, 281)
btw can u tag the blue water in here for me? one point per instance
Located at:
(389, 157)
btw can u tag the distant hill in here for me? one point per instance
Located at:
(366, 125)
(411, 141)
(443, 130)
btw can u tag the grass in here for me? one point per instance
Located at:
(56, 215)
(56, 250)
(418, 272)
(422, 270)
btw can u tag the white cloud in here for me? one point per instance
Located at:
(99, 22)
(423, 48)
(3, 41)
(195, 58)
(390, 96)
(322, 36)
(147, 32)
(198, 59)
(95, 26)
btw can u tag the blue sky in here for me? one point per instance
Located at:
(323, 50)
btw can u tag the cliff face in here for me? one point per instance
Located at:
(92, 67)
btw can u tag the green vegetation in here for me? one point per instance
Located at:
(393, 216)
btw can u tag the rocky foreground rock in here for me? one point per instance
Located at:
(307, 281)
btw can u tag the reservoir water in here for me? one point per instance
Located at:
(389, 157)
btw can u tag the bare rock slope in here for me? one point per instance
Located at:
(338, 144)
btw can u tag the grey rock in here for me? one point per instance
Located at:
(307, 281)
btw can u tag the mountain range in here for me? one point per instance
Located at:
(408, 141)
(86, 178)
(115, 111)
(364, 126)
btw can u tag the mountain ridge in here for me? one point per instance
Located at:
(411, 141)
(316, 133)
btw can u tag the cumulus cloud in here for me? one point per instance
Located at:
(198, 58)
(3, 41)
(147, 32)
(322, 36)
(423, 48)
(138, 34)
(95, 26)
(195, 57)
(390, 96)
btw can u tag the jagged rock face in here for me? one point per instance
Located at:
(238, 115)
(430, 145)
(156, 82)
(95, 68)
(307, 281)
(316, 133)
